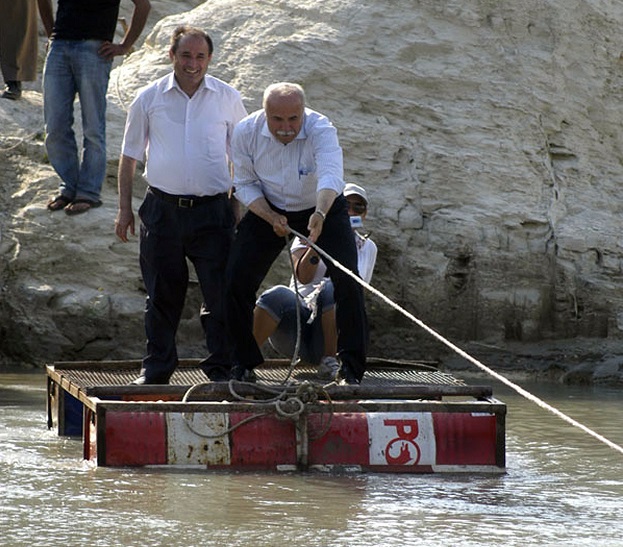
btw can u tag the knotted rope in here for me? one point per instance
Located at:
(284, 404)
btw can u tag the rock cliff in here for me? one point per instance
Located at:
(487, 135)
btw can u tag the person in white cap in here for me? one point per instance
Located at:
(274, 316)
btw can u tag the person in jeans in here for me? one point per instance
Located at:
(288, 171)
(275, 314)
(78, 62)
(182, 123)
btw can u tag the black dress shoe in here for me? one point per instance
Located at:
(12, 90)
(242, 374)
(216, 373)
(143, 380)
(347, 376)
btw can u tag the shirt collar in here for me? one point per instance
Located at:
(172, 83)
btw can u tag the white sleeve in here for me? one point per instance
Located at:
(366, 260)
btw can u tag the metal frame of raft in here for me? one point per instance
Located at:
(405, 417)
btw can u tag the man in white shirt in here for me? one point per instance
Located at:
(288, 170)
(183, 124)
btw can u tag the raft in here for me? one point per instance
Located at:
(405, 417)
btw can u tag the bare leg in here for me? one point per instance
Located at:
(329, 366)
(264, 325)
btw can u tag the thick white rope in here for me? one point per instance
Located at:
(297, 346)
(20, 141)
(462, 353)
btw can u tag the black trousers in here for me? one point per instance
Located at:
(255, 248)
(171, 233)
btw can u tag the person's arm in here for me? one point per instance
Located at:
(139, 18)
(366, 259)
(246, 181)
(305, 264)
(125, 216)
(47, 15)
(238, 112)
(324, 201)
(329, 169)
(279, 223)
(235, 207)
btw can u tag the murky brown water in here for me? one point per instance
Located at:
(562, 488)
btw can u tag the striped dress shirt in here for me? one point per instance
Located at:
(287, 175)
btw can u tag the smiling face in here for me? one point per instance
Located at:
(284, 116)
(190, 62)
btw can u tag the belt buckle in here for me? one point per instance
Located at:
(186, 203)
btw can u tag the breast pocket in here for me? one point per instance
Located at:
(213, 136)
(306, 173)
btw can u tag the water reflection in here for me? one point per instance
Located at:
(562, 488)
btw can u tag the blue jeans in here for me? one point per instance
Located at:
(280, 303)
(74, 67)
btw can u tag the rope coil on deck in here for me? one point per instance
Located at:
(284, 405)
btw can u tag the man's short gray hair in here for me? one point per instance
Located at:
(283, 89)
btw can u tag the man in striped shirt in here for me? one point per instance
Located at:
(288, 171)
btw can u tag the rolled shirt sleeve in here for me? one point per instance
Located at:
(136, 133)
(246, 182)
(328, 156)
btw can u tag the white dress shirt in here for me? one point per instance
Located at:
(287, 175)
(186, 140)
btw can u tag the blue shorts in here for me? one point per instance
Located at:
(280, 303)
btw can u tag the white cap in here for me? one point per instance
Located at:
(351, 189)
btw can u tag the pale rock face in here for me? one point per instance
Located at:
(486, 133)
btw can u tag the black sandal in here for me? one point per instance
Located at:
(83, 205)
(58, 203)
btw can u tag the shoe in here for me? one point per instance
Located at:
(216, 373)
(82, 205)
(347, 376)
(59, 202)
(143, 380)
(328, 368)
(12, 90)
(242, 374)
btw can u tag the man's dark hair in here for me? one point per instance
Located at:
(186, 30)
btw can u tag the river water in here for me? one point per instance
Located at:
(562, 487)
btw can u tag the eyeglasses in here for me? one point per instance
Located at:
(357, 208)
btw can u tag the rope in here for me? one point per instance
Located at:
(224, 433)
(286, 406)
(297, 346)
(462, 353)
(187, 415)
(20, 141)
(117, 89)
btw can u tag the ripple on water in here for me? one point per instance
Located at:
(562, 488)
